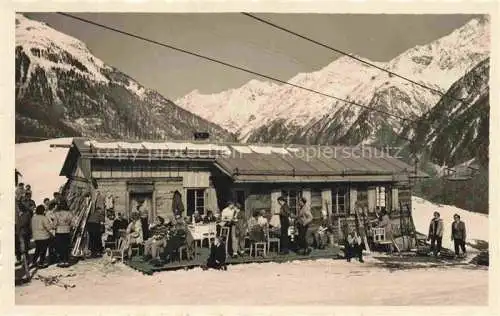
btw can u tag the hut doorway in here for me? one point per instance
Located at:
(142, 202)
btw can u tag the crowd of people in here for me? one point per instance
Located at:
(50, 226)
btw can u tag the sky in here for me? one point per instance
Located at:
(242, 41)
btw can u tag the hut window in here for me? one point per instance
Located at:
(195, 201)
(292, 198)
(381, 196)
(340, 199)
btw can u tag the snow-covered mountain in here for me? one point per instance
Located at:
(454, 132)
(63, 90)
(265, 112)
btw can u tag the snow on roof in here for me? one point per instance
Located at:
(125, 145)
(157, 146)
(99, 145)
(242, 149)
(293, 149)
(261, 149)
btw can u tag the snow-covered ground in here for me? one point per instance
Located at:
(320, 282)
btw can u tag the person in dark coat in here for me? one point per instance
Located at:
(145, 225)
(177, 206)
(209, 218)
(119, 223)
(28, 203)
(353, 246)
(217, 258)
(284, 224)
(458, 234)
(436, 233)
(94, 226)
(22, 230)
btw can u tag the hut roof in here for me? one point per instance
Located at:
(258, 162)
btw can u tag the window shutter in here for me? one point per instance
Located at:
(395, 198)
(353, 197)
(326, 196)
(372, 199)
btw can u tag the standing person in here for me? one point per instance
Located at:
(145, 224)
(62, 221)
(94, 228)
(25, 232)
(354, 246)
(284, 225)
(20, 192)
(50, 214)
(22, 224)
(41, 227)
(177, 206)
(458, 235)
(28, 202)
(240, 227)
(18, 174)
(436, 233)
(304, 218)
(118, 224)
(46, 203)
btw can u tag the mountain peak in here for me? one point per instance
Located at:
(62, 89)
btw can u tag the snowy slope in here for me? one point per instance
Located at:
(476, 224)
(62, 89)
(40, 166)
(285, 113)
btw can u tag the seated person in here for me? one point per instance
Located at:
(217, 257)
(256, 227)
(176, 238)
(320, 235)
(354, 246)
(197, 218)
(134, 233)
(108, 235)
(209, 218)
(262, 219)
(158, 240)
(118, 224)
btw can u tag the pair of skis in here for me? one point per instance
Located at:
(78, 236)
(358, 228)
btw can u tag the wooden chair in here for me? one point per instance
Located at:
(379, 238)
(271, 240)
(256, 247)
(209, 235)
(131, 249)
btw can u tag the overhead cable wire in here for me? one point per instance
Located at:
(339, 51)
(227, 64)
